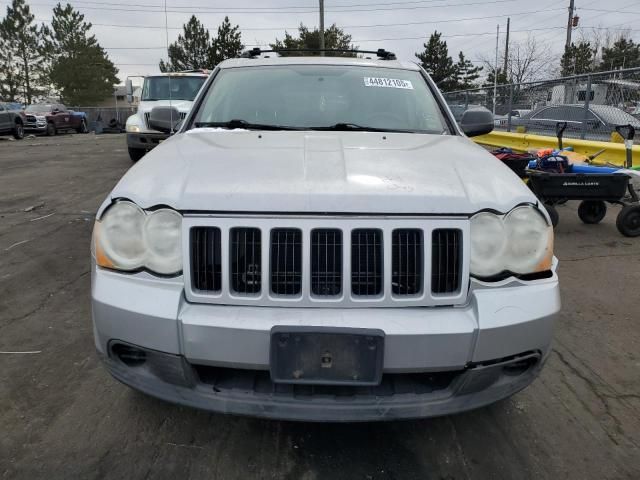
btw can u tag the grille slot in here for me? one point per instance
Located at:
(206, 259)
(245, 260)
(366, 262)
(446, 260)
(407, 262)
(326, 262)
(286, 261)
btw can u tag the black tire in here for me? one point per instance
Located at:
(553, 214)
(628, 221)
(136, 154)
(83, 127)
(592, 211)
(18, 131)
(51, 129)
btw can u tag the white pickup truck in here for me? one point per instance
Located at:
(176, 89)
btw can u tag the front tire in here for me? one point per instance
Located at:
(51, 129)
(136, 154)
(553, 214)
(18, 131)
(628, 221)
(592, 211)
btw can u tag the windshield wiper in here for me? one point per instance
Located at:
(347, 127)
(238, 123)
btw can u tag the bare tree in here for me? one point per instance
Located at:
(529, 60)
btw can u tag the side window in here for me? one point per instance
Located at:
(542, 114)
(582, 95)
(62, 108)
(1, 108)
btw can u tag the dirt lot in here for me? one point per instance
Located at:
(62, 416)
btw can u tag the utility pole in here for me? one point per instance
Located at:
(495, 71)
(506, 48)
(322, 27)
(569, 24)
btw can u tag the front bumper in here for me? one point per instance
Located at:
(145, 140)
(184, 341)
(39, 127)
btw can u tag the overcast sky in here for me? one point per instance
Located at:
(401, 26)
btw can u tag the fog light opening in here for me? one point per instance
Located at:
(518, 367)
(130, 356)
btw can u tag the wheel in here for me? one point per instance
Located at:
(51, 129)
(628, 221)
(553, 214)
(592, 211)
(136, 154)
(18, 131)
(83, 127)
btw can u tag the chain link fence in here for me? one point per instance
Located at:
(105, 116)
(592, 105)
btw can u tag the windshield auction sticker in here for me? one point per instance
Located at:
(387, 82)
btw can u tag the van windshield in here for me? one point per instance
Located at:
(322, 97)
(174, 88)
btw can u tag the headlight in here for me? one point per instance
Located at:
(520, 242)
(128, 239)
(132, 128)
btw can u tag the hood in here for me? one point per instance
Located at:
(181, 105)
(320, 172)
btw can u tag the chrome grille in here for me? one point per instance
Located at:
(206, 270)
(407, 263)
(245, 260)
(445, 260)
(183, 115)
(326, 261)
(366, 262)
(286, 261)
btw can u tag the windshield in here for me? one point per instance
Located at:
(312, 96)
(181, 88)
(38, 108)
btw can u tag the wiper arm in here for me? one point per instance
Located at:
(238, 123)
(346, 127)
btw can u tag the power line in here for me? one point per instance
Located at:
(218, 10)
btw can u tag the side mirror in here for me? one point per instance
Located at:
(55, 110)
(476, 122)
(164, 119)
(129, 88)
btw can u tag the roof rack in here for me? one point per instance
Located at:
(380, 53)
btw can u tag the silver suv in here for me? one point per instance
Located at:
(320, 241)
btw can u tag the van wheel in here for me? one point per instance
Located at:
(136, 154)
(553, 214)
(51, 129)
(628, 221)
(18, 131)
(592, 211)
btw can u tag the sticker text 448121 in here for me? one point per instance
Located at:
(387, 83)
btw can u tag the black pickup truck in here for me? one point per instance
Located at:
(11, 121)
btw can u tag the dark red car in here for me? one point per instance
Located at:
(51, 118)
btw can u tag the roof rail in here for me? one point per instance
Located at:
(380, 53)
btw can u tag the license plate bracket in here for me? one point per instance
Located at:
(326, 356)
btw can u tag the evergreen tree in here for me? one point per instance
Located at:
(76, 65)
(195, 49)
(466, 73)
(436, 61)
(577, 59)
(227, 44)
(21, 51)
(191, 51)
(624, 53)
(334, 38)
(10, 81)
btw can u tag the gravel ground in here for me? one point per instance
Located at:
(62, 416)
